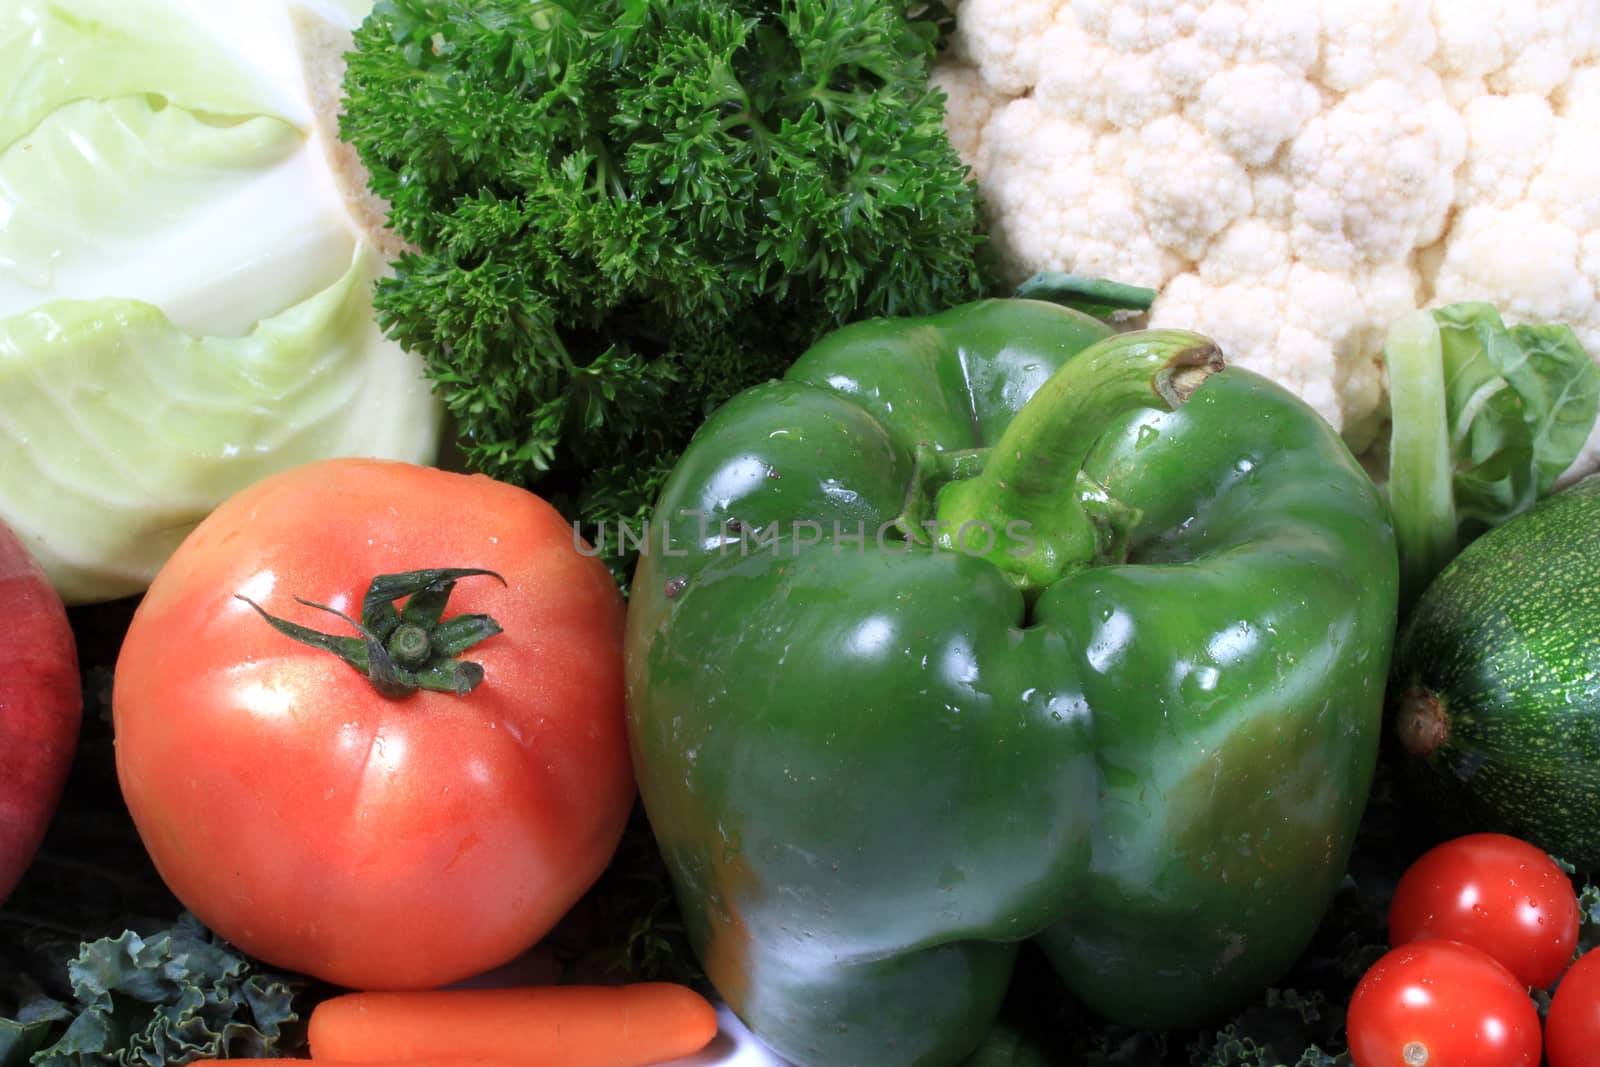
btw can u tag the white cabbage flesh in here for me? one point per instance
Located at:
(184, 298)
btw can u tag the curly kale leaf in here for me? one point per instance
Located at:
(624, 212)
(147, 1001)
(1269, 1032)
(99, 964)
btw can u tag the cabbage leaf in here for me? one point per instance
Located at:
(185, 300)
(1486, 418)
(119, 432)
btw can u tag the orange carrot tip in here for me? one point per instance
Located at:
(631, 1025)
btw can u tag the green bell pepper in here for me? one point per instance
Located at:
(996, 626)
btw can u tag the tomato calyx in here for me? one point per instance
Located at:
(403, 650)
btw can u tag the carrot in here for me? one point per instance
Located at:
(527, 1026)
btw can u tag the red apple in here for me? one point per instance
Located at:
(41, 706)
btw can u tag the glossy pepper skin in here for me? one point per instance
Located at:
(1139, 729)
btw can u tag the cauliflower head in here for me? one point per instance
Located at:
(1293, 175)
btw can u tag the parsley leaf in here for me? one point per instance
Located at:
(624, 212)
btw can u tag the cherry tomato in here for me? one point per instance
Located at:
(41, 706)
(1441, 1004)
(1572, 1026)
(377, 841)
(1497, 893)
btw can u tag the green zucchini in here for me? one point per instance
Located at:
(1496, 685)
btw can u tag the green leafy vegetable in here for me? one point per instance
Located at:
(168, 998)
(1099, 297)
(1522, 401)
(99, 965)
(1589, 915)
(184, 298)
(126, 430)
(626, 211)
(1485, 420)
(37, 1016)
(1421, 489)
(1269, 1033)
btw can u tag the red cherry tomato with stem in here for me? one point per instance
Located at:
(1441, 1004)
(1572, 1026)
(1494, 892)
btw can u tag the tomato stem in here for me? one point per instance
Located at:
(403, 650)
(410, 646)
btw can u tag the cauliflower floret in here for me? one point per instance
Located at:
(1294, 175)
(1252, 247)
(1374, 174)
(1280, 317)
(1364, 40)
(969, 104)
(1191, 189)
(1286, 35)
(1252, 110)
(1273, 195)
(1137, 27)
(1515, 47)
(1526, 238)
(1388, 291)
(1579, 98)
(1092, 82)
(1047, 194)
(1507, 135)
(1520, 260)
(1002, 39)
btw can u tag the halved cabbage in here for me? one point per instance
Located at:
(184, 296)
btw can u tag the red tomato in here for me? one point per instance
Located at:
(41, 706)
(1572, 1025)
(371, 841)
(1494, 892)
(1441, 1004)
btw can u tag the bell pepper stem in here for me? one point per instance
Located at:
(935, 468)
(1026, 503)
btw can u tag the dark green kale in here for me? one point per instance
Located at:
(625, 211)
(148, 1001)
(99, 964)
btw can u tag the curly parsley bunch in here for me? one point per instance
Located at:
(625, 211)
